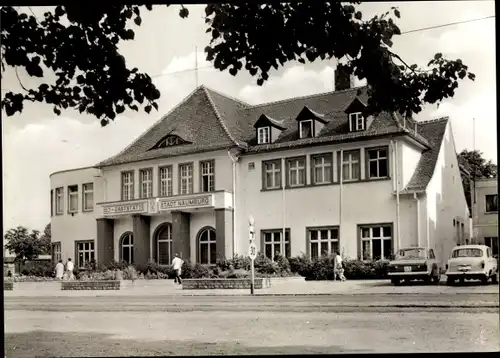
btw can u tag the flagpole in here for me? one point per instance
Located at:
(196, 64)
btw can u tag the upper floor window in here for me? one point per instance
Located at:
(306, 129)
(51, 202)
(378, 164)
(59, 201)
(186, 178)
(88, 196)
(207, 172)
(356, 122)
(166, 177)
(272, 174)
(350, 165)
(146, 183)
(491, 203)
(322, 168)
(73, 198)
(263, 135)
(128, 185)
(296, 171)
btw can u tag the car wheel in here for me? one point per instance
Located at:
(461, 280)
(427, 279)
(484, 280)
(395, 281)
(450, 281)
(494, 278)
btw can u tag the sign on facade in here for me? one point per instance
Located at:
(131, 208)
(252, 251)
(186, 203)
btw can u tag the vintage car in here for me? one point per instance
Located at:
(471, 262)
(414, 263)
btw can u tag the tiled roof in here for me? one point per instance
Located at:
(433, 131)
(213, 121)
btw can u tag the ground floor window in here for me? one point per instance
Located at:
(207, 246)
(85, 253)
(56, 251)
(323, 241)
(127, 247)
(376, 242)
(492, 242)
(272, 242)
(163, 252)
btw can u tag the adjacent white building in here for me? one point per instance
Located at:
(316, 168)
(485, 212)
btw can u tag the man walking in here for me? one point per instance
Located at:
(59, 270)
(176, 265)
(339, 267)
(69, 268)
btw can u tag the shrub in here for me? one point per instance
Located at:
(115, 265)
(301, 265)
(186, 270)
(365, 269)
(283, 264)
(130, 273)
(37, 268)
(265, 265)
(200, 271)
(98, 276)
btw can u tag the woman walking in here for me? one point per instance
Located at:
(339, 267)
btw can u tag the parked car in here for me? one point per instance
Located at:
(471, 262)
(414, 263)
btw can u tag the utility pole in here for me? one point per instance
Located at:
(473, 201)
(196, 64)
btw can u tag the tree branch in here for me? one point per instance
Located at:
(19, 80)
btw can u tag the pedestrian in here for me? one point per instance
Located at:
(69, 269)
(59, 270)
(176, 265)
(339, 267)
(9, 274)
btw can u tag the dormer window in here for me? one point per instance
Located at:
(169, 141)
(306, 129)
(356, 122)
(263, 135)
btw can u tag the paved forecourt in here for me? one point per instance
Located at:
(295, 287)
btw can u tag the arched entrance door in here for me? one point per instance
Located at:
(127, 247)
(207, 248)
(163, 244)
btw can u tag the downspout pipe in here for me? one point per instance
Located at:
(394, 145)
(415, 196)
(341, 194)
(283, 183)
(235, 160)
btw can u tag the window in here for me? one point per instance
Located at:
(272, 240)
(207, 170)
(207, 246)
(323, 241)
(467, 253)
(350, 165)
(73, 198)
(356, 122)
(186, 178)
(296, 171)
(263, 135)
(272, 174)
(377, 163)
(88, 196)
(306, 128)
(492, 242)
(146, 183)
(163, 254)
(56, 251)
(376, 242)
(128, 185)
(127, 247)
(59, 201)
(491, 203)
(321, 168)
(85, 253)
(431, 254)
(169, 141)
(166, 186)
(51, 202)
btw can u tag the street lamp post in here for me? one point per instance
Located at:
(252, 251)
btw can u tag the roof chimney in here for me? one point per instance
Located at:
(342, 78)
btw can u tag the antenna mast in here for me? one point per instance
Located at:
(196, 64)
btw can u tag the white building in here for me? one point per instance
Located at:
(365, 186)
(485, 212)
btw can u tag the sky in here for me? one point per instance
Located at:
(37, 143)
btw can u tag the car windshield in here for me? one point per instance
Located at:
(411, 254)
(467, 253)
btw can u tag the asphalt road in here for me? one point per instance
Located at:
(302, 303)
(124, 333)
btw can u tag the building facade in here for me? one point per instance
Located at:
(318, 169)
(485, 212)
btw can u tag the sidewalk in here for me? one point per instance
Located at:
(168, 288)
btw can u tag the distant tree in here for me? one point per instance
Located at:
(478, 167)
(25, 245)
(46, 240)
(80, 45)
